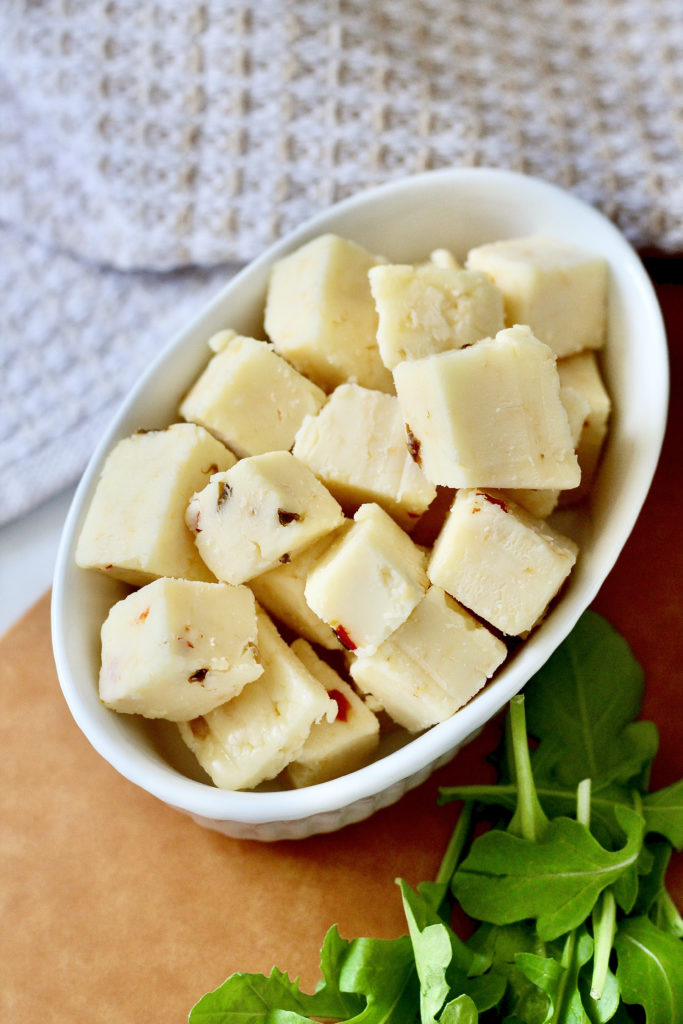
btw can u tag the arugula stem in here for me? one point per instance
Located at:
(583, 814)
(583, 802)
(568, 955)
(456, 845)
(604, 918)
(529, 819)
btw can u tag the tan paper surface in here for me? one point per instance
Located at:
(115, 908)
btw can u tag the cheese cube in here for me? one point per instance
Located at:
(541, 502)
(281, 592)
(321, 317)
(555, 288)
(499, 561)
(429, 308)
(265, 507)
(250, 398)
(333, 748)
(432, 664)
(489, 415)
(251, 738)
(357, 446)
(581, 374)
(178, 648)
(135, 528)
(369, 581)
(444, 258)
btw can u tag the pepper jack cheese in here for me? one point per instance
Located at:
(429, 308)
(321, 317)
(557, 289)
(489, 415)
(379, 384)
(581, 374)
(542, 502)
(444, 258)
(255, 735)
(369, 581)
(356, 446)
(499, 561)
(250, 398)
(135, 527)
(177, 648)
(262, 510)
(431, 665)
(333, 748)
(281, 592)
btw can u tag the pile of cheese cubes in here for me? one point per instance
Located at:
(376, 478)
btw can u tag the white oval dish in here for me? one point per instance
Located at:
(405, 221)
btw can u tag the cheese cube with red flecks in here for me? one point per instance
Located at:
(178, 648)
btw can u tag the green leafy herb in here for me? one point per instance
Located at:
(555, 881)
(573, 720)
(663, 813)
(650, 970)
(575, 922)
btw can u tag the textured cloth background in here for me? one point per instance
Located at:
(148, 148)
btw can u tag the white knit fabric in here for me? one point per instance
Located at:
(138, 138)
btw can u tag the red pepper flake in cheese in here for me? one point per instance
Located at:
(143, 615)
(285, 518)
(199, 727)
(343, 704)
(413, 446)
(344, 638)
(199, 676)
(494, 501)
(224, 492)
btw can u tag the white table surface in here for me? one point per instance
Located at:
(28, 548)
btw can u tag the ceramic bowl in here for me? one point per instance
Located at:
(405, 221)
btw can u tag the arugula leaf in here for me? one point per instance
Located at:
(544, 973)
(559, 979)
(444, 963)
(337, 1003)
(383, 971)
(603, 1009)
(653, 899)
(650, 970)
(460, 1011)
(663, 811)
(651, 882)
(250, 999)
(556, 881)
(500, 945)
(580, 714)
(433, 953)
(666, 915)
